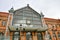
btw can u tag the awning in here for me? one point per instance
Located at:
(38, 29)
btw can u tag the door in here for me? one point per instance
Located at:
(39, 35)
(16, 36)
(28, 36)
(1, 36)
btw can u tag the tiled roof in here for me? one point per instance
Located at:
(4, 14)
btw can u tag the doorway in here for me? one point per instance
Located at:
(39, 35)
(16, 36)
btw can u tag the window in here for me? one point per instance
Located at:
(4, 23)
(28, 36)
(16, 36)
(36, 25)
(54, 26)
(27, 14)
(58, 25)
(33, 18)
(54, 35)
(37, 18)
(58, 34)
(48, 36)
(39, 35)
(1, 36)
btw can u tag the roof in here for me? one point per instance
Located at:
(50, 19)
(4, 14)
(26, 7)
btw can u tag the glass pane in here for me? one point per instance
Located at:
(36, 22)
(36, 18)
(1, 36)
(19, 13)
(3, 23)
(28, 36)
(18, 17)
(35, 15)
(39, 35)
(7, 38)
(27, 14)
(48, 36)
(16, 36)
(59, 35)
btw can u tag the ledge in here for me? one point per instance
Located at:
(26, 29)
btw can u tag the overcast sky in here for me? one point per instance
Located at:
(50, 8)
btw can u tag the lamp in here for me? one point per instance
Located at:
(28, 22)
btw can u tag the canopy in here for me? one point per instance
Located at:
(38, 29)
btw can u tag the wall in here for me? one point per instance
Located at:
(4, 16)
(53, 27)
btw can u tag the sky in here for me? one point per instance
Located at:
(50, 8)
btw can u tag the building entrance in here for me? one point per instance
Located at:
(39, 35)
(1, 36)
(16, 36)
(28, 36)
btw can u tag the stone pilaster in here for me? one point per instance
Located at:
(22, 35)
(11, 35)
(43, 34)
(34, 36)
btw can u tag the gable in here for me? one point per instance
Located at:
(26, 9)
(21, 16)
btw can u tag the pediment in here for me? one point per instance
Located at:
(26, 9)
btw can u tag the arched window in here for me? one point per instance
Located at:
(28, 36)
(1, 36)
(54, 35)
(39, 35)
(4, 23)
(16, 36)
(59, 34)
(47, 36)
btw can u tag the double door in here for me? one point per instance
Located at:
(16, 36)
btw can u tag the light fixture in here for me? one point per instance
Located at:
(28, 22)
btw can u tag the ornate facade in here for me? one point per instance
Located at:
(53, 28)
(27, 24)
